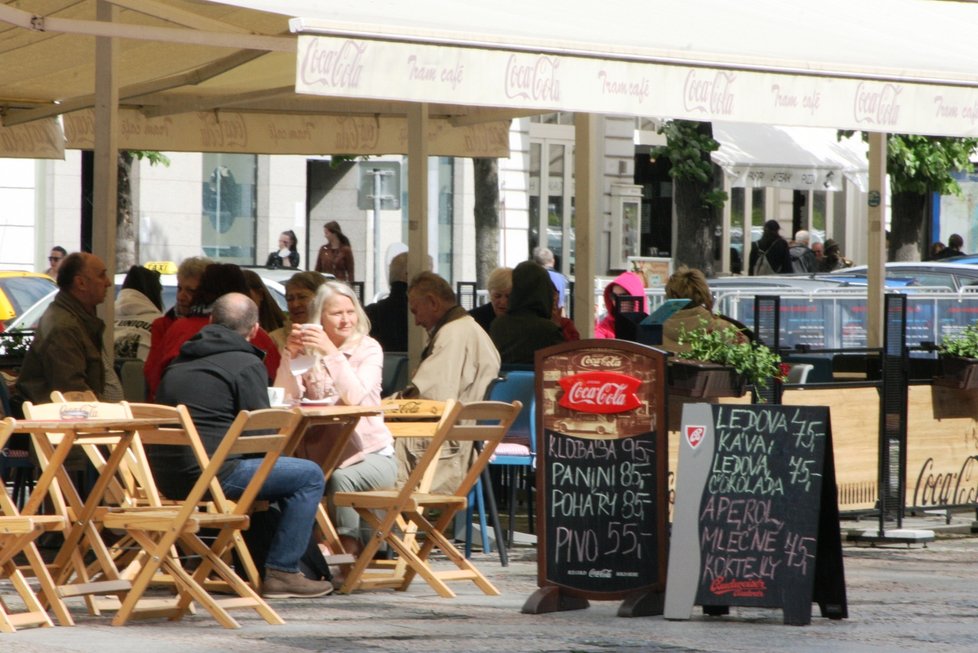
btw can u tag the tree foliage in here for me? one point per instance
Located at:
(688, 147)
(126, 230)
(696, 189)
(918, 166)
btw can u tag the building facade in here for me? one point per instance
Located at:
(233, 206)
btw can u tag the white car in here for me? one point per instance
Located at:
(27, 321)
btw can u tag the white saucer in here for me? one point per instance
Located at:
(326, 401)
(281, 406)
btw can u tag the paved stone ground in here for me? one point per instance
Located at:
(900, 599)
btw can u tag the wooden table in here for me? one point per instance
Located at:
(53, 440)
(321, 436)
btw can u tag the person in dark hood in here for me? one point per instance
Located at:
(774, 248)
(527, 325)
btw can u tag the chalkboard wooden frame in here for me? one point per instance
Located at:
(640, 433)
(756, 520)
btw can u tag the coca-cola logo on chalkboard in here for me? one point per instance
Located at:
(600, 392)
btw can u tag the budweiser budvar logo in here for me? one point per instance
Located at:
(877, 104)
(712, 95)
(599, 392)
(751, 587)
(333, 67)
(532, 78)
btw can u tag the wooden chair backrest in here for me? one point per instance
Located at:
(275, 426)
(486, 422)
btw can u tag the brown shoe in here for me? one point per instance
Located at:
(284, 585)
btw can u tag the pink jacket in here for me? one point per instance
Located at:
(355, 375)
(632, 283)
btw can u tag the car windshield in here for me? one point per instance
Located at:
(23, 292)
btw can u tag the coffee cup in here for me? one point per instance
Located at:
(276, 396)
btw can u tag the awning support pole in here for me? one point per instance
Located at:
(417, 213)
(106, 178)
(588, 174)
(876, 254)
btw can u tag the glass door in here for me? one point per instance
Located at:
(552, 200)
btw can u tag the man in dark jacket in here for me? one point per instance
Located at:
(217, 374)
(389, 316)
(803, 259)
(66, 353)
(527, 325)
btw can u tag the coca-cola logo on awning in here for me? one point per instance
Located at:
(600, 392)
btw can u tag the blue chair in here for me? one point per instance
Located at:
(17, 469)
(395, 373)
(517, 451)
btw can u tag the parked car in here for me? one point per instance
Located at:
(19, 291)
(934, 274)
(28, 320)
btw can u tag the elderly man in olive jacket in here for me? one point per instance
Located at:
(67, 353)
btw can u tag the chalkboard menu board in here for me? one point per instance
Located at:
(756, 513)
(601, 476)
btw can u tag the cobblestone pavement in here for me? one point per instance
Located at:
(900, 599)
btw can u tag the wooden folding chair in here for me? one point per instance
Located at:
(216, 500)
(484, 421)
(157, 531)
(122, 490)
(17, 535)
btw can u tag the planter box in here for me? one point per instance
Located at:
(958, 372)
(689, 378)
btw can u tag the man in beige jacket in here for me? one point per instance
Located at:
(458, 362)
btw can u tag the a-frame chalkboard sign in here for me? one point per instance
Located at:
(756, 516)
(602, 469)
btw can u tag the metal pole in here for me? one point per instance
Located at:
(378, 264)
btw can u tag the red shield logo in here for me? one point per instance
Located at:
(600, 392)
(695, 435)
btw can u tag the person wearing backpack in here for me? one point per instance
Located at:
(770, 255)
(803, 259)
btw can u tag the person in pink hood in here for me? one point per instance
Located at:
(626, 283)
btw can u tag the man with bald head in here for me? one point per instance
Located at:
(217, 374)
(66, 353)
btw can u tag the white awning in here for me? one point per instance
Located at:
(799, 158)
(903, 66)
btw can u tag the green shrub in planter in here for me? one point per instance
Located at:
(965, 344)
(728, 347)
(959, 359)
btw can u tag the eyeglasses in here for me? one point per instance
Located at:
(54, 259)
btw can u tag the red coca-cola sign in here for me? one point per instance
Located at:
(600, 392)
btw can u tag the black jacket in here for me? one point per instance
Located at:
(484, 314)
(527, 325)
(776, 248)
(217, 374)
(275, 261)
(389, 319)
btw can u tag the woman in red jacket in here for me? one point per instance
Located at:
(218, 279)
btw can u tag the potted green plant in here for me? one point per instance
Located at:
(13, 347)
(959, 360)
(721, 363)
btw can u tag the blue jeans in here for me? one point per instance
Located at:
(297, 484)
